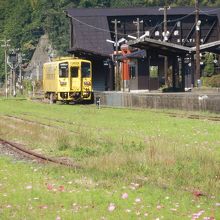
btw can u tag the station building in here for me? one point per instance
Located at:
(141, 47)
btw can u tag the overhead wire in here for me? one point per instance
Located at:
(105, 30)
(91, 26)
(215, 9)
(206, 12)
(180, 19)
(174, 20)
(97, 28)
(157, 25)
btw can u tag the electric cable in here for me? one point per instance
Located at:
(157, 25)
(215, 9)
(112, 32)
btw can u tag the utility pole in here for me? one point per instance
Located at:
(20, 72)
(6, 46)
(117, 73)
(14, 82)
(165, 39)
(198, 23)
(13, 63)
(138, 22)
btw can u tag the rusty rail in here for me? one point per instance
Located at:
(33, 155)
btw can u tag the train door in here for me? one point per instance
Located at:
(63, 77)
(86, 80)
(75, 82)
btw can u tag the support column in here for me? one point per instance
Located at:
(148, 69)
(11, 83)
(183, 73)
(111, 76)
(198, 23)
(174, 62)
(125, 75)
(14, 83)
(192, 71)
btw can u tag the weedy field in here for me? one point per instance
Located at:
(134, 164)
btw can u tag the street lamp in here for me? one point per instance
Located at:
(146, 34)
(132, 37)
(13, 63)
(198, 25)
(116, 43)
(117, 75)
(6, 46)
(165, 36)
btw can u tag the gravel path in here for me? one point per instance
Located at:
(5, 151)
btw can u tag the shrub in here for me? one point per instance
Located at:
(209, 64)
(213, 81)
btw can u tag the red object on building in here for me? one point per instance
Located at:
(125, 62)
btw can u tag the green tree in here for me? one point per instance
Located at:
(209, 64)
(24, 21)
(127, 3)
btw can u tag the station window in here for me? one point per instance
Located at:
(74, 71)
(153, 71)
(86, 70)
(63, 69)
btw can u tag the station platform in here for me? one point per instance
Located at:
(195, 100)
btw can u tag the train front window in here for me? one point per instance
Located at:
(86, 70)
(74, 71)
(63, 70)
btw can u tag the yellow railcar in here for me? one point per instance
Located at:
(67, 79)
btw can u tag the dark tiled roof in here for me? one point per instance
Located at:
(86, 37)
(81, 12)
(92, 39)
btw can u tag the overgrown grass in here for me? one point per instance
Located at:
(30, 191)
(118, 146)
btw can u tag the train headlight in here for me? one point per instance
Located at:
(63, 83)
(87, 83)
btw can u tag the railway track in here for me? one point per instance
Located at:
(171, 114)
(193, 116)
(25, 153)
(42, 124)
(50, 125)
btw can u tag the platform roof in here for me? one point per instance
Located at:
(163, 48)
(209, 47)
(166, 48)
(87, 53)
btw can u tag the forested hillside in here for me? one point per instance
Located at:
(24, 21)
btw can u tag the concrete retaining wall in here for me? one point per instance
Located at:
(183, 101)
(206, 90)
